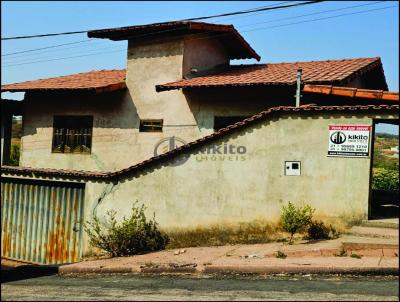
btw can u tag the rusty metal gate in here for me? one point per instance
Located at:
(41, 221)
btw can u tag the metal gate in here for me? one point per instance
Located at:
(41, 220)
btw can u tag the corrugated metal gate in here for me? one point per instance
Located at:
(41, 220)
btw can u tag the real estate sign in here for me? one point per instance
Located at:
(349, 141)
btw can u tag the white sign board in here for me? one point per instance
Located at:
(349, 141)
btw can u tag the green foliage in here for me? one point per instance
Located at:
(280, 255)
(355, 256)
(295, 218)
(317, 230)
(131, 236)
(14, 155)
(16, 128)
(383, 179)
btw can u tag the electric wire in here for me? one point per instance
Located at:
(190, 19)
(246, 25)
(250, 30)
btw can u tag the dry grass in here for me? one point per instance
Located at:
(256, 231)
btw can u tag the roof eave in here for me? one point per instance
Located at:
(108, 88)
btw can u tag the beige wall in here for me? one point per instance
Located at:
(206, 189)
(117, 142)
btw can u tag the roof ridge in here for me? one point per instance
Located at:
(114, 176)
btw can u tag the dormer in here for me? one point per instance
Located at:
(202, 46)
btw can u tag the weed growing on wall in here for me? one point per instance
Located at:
(131, 236)
(295, 218)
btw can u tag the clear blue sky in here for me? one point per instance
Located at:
(369, 34)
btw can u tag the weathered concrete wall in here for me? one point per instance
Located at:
(209, 189)
(115, 127)
(117, 142)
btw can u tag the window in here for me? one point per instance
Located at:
(224, 121)
(72, 134)
(151, 125)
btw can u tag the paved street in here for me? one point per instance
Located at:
(121, 288)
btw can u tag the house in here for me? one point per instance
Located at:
(178, 81)
(198, 140)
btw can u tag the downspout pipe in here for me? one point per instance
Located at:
(298, 86)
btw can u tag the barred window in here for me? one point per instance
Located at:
(151, 125)
(72, 134)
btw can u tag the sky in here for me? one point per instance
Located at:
(373, 33)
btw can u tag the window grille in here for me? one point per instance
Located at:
(72, 134)
(151, 125)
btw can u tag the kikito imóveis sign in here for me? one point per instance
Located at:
(349, 141)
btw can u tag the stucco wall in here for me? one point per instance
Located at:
(114, 133)
(209, 189)
(117, 142)
(203, 53)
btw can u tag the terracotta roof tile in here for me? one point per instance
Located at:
(116, 176)
(324, 72)
(98, 80)
(236, 46)
(352, 92)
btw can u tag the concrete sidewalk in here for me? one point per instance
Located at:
(370, 256)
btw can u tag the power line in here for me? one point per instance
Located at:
(38, 58)
(191, 19)
(313, 20)
(84, 41)
(256, 29)
(52, 46)
(57, 59)
(275, 20)
(316, 13)
(252, 11)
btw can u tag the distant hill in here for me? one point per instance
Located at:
(387, 135)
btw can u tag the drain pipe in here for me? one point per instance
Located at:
(298, 87)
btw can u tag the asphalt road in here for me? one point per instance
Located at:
(125, 287)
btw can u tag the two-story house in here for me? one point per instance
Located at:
(179, 81)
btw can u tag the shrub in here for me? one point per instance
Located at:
(135, 235)
(295, 218)
(384, 179)
(14, 155)
(317, 230)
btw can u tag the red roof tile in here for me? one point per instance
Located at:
(99, 80)
(323, 72)
(236, 46)
(270, 113)
(352, 92)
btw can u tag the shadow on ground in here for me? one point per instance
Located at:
(9, 273)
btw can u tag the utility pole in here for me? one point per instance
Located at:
(298, 87)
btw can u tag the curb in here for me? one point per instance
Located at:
(96, 270)
(300, 270)
(223, 270)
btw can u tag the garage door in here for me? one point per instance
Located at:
(41, 220)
